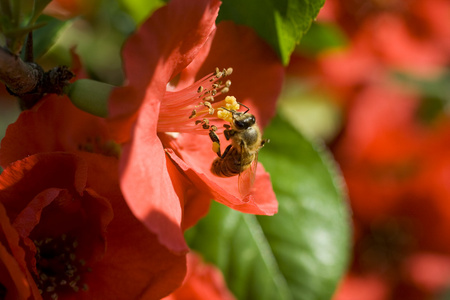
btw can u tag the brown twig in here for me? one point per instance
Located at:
(20, 77)
(28, 81)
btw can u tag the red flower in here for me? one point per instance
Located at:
(379, 155)
(55, 124)
(368, 287)
(71, 245)
(390, 32)
(203, 281)
(397, 169)
(165, 180)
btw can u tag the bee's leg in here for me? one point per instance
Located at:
(216, 142)
(228, 133)
(226, 151)
(263, 142)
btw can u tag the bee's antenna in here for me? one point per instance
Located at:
(231, 111)
(245, 107)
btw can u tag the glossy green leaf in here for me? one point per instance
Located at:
(301, 252)
(281, 23)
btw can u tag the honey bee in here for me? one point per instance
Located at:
(241, 155)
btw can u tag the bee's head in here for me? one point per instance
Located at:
(243, 121)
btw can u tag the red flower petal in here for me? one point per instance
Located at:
(164, 45)
(147, 186)
(203, 281)
(13, 274)
(135, 264)
(54, 124)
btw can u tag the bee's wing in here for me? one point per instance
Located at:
(247, 177)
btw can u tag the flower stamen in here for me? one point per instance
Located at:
(58, 268)
(182, 110)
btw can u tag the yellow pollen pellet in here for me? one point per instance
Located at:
(215, 147)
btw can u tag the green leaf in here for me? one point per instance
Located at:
(322, 37)
(39, 7)
(45, 37)
(17, 19)
(139, 10)
(281, 23)
(301, 252)
(435, 95)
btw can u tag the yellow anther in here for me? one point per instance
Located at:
(225, 115)
(231, 103)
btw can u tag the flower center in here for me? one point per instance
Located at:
(186, 109)
(59, 270)
(3, 291)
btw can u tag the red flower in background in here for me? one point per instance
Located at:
(383, 36)
(379, 151)
(395, 164)
(390, 30)
(164, 178)
(397, 170)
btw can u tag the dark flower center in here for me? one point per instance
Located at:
(3, 291)
(59, 270)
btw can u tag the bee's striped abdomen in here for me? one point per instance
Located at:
(230, 165)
